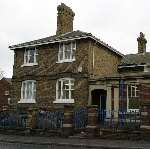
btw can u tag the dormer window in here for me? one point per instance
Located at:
(30, 56)
(67, 51)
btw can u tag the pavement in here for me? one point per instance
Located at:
(89, 143)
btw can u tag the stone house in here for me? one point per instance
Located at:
(5, 88)
(57, 70)
(76, 68)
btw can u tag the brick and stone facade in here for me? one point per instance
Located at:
(91, 60)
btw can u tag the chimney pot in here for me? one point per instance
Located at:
(141, 43)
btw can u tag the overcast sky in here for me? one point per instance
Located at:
(116, 22)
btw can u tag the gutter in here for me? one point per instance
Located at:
(131, 66)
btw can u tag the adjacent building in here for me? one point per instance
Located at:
(5, 89)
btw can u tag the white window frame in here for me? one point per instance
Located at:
(25, 100)
(27, 54)
(62, 51)
(61, 100)
(133, 87)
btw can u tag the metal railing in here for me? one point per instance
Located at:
(80, 117)
(12, 120)
(49, 120)
(119, 119)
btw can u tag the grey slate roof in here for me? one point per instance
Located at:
(136, 59)
(67, 36)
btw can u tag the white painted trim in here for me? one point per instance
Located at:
(57, 41)
(22, 100)
(61, 92)
(66, 61)
(62, 53)
(64, 101)
(133, 110)
(130, 66)
(27, 101)
(29, 64)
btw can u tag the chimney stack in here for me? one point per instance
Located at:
(141, 43)
(65, 19)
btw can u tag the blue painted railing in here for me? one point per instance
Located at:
(119, 119)
(12, 120)
(50, 120)
(80, 118)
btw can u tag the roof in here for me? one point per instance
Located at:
(136, 59)
(121, 76)
(7, 79)
(64, 37)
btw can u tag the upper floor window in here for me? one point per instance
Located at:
(64, 90)
(28, 91)
(67, 51)
(30, 56)
(133, 97)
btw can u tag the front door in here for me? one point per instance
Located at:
(99, 98)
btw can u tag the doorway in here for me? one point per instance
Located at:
(99, 98)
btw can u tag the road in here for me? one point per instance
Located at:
(30, 142)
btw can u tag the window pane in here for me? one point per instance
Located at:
(65, 94)
(134, 103)
(66, 85)
(68, 46)
(29, 90)
(73, 54)
(31, 56)
(60, 52)
(26, 56)
(67, 50)
(67, 54)
(34, 90)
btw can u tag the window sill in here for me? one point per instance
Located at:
(65, 61)
(27, 101)
(64, 101)
(133, 110)
(29, 64)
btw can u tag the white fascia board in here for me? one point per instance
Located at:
(57, 41)
(69, 39)
(131, 66)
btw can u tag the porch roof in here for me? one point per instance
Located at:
(121, 76)
(136, 59)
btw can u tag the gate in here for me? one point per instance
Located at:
(50, 120)
(80, 117)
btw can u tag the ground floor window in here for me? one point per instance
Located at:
(65, 90)
(28, 91)
(133, 97)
